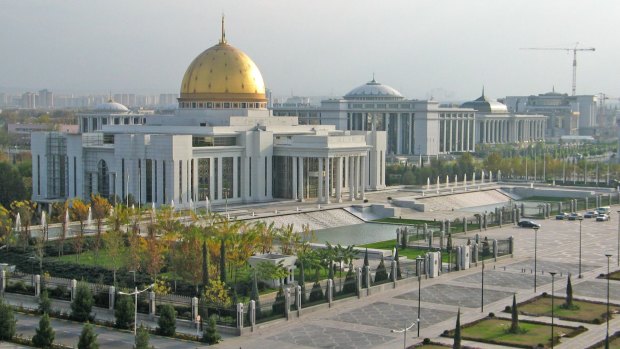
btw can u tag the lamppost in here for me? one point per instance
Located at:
(552, 304)
(418, 264)
(607, 317)
(535, 254)
(134, 277)
(580, 220)
(135, 294)
(482, 291)
(404, 331)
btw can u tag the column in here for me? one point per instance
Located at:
(300, 179)
(450, 139)
(467, 144)
(320, 192)
(235, 177)
(345, 163)
(363, 175)
(445, 137)
(350, 162)
(463, 133)
(220, 196)
(194, 182)
(294, 186)
(357, 175)
(328, 187)
(410, 127)
(399, 134)
(338, 165)
(246, 176)
(269, 176)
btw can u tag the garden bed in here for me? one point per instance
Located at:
(494, 330)
(583, 311)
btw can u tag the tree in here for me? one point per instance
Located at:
(6, 226)
(44, 335)
(514, 318)
(270, 271)
(115, 246)
(167, 323)
(82, 303)
(205, 263)
(381, 273)
(100, 209)
(59, 214)
(569, 295)
(210, 335)
(217, 294)
(223, 260)
(278, 305)
(349, 282)
(142, 338)
(124, 312)
(88, 338)
(316, 293)
(254, 295)
(45, 304)
(25, 210)
(7, 321)
(79, 212)
(188, 254)
(457, 332)
(12, 186)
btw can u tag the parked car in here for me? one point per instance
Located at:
(590, 214)
(528, 224)
(574, 216)
(602, 218)
(562, 216)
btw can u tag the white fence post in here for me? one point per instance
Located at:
(330, 291)
(73, 288)
(111, 295)
(239, 315)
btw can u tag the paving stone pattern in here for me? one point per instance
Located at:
(547, 266)
(327, 337)
(392, 316)
(597, 289)
(506, 279)
(456, 295)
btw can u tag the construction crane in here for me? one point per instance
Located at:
(574, 50)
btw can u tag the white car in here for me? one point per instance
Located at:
(602, 218)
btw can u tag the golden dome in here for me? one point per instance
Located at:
(223, 73)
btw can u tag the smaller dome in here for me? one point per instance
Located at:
(486, 105)
(373, 89)
(111, 107)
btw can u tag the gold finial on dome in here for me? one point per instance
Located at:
(223, 40)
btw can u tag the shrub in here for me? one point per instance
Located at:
(124, 312)
(279, 303)
(88, 338)
(381, 274)
(426, 341)
(7, 322)
(210, 335)
(316, 294)
(167, 323)
(82, 304)
(45, 304)
(142, 338)
(44, 336)
(491, 314)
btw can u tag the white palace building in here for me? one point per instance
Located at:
(221, 145)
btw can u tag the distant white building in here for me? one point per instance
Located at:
(221, 144)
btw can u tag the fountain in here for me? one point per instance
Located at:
(499, 175)
(191, 205)
(447, 181)
(473, 181)
(490, 176)
(18, 222)
(481, 176)
(456, 181)
(428, 183)
(465, 181)
(66, 217)
(172, 204)
(437, 184)
(89, 220)
(43, 218)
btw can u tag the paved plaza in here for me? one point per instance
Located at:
(366, 322)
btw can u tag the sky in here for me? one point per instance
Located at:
(447, 49)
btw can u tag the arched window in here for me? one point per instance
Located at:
(103, 184)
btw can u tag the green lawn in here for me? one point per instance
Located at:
(615, 275)
(431, 346)
(586, 312)
(614, 342)
(545, 199)
(412, 252)
(494, 330)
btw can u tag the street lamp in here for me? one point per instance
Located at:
(607, 317)
(135, 293)
(580, 220)
(418, 264)
(482, 291)
(404, 331)
(552, 304)
(134, 277)
(535, 254)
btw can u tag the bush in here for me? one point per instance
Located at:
(88, 338)
(210, 335)
(491, 314)
(124, 312)
(7, 322)
(44, 336)
(142, 338)
(60, 292)
(316, 294)
(82, 304)
(279, 305)
(381, 274)
(45, 304)
(426, 341)
(167, 321)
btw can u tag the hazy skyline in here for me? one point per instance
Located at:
(448, 49)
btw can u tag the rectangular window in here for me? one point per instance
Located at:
(122, 176)
(95, 124)
(216, 179)
(38, 174)
(204, 178)
(238, 176)
(265, 179)
(149, 180)
(163, 180)
(227, 177)
(104, 121)
(249, 174)
(156, 187)
(74, 176)
(191, 181)
(84, 125)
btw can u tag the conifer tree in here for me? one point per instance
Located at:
(82, 304)
(223, 261)
(88, 338)
(514, 323)
(7, 321)
(210, 335)
(142, 338)
(124, 312)
(457, 332)
(349, 282)
(381, 274)
(167, 321)
(569, 294)
(365, 270)
(278, 305)
(45, 304)
(44, 335)
(254, 295)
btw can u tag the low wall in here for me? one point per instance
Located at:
(550, 192)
